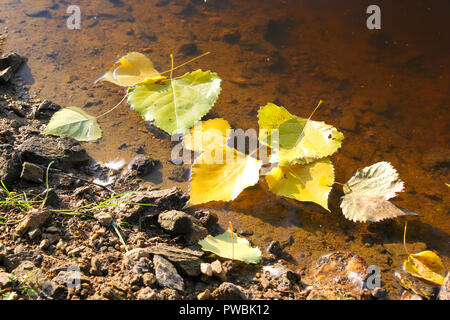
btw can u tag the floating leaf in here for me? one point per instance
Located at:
(221, 173)
(294, 139)
(207, 133)
(74, 122)
(238, 248)
(176, 105)
(310, 182)
(426, 265)
(368, 191)
(130, 70)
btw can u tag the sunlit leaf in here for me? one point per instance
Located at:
(176, 105)
(221, 173)
(132, 69)
(368, 191)
(294, 139)
(74, 122)
(426, 265)
(207, 133)
(310, 182)
(238, 248)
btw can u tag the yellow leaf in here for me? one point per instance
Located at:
(426, 265)
(221, 173)
(310, 182)
(207, 133)
(294, 139)
(232, 247)
(132, 69)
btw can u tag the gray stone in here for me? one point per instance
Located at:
(167, 199)
(166, 274)
(198, 232)
(10, 164)
(229, 291)
(32, 172)
(65, 151)
(134, 255)
(104, 218)
(5, 280)
(34, 219)
(142, 165)
(187, 260)
(147, 294)
(35, 279)
(175, 222)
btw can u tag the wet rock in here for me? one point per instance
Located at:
(65, 151)
(231, 37)
(275, 248)
(444, 293)
(229, 291)
(32, 172)
(167, 199)
(142, 165)
(339, 276)
(415, 285)
(104, 218)
(10, 164)
(45, 110)
(175, 222)
(38, 13)
(189, 49)
(9, 64)
(34, 219)
(198, 232)
(206, 218)
(166, 274)
(348, 122)
(147, 294)
(187, 260)
(218, 270)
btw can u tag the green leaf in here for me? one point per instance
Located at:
(130, 70)
(368, 191)
(238, 248)
(311, 182)
(74, 122)
(176, 105)
(294, 139)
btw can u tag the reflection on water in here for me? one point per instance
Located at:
(387, 90)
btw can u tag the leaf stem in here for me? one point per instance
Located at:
(104, 114)
(404, 238)
(185, 63)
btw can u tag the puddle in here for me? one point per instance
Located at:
(386, 90)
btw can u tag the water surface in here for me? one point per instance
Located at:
(387, 90)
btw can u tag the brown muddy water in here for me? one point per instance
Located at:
(387, 90)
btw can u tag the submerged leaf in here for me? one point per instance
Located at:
(426, 265)
(294, 139)
(238, 248)
(74, 122)
(221, 173)
(310, 182)
(207, 133)
(368, 191)
(176, 105)
(130, 70)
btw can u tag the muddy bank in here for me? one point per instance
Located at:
(130, 251)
